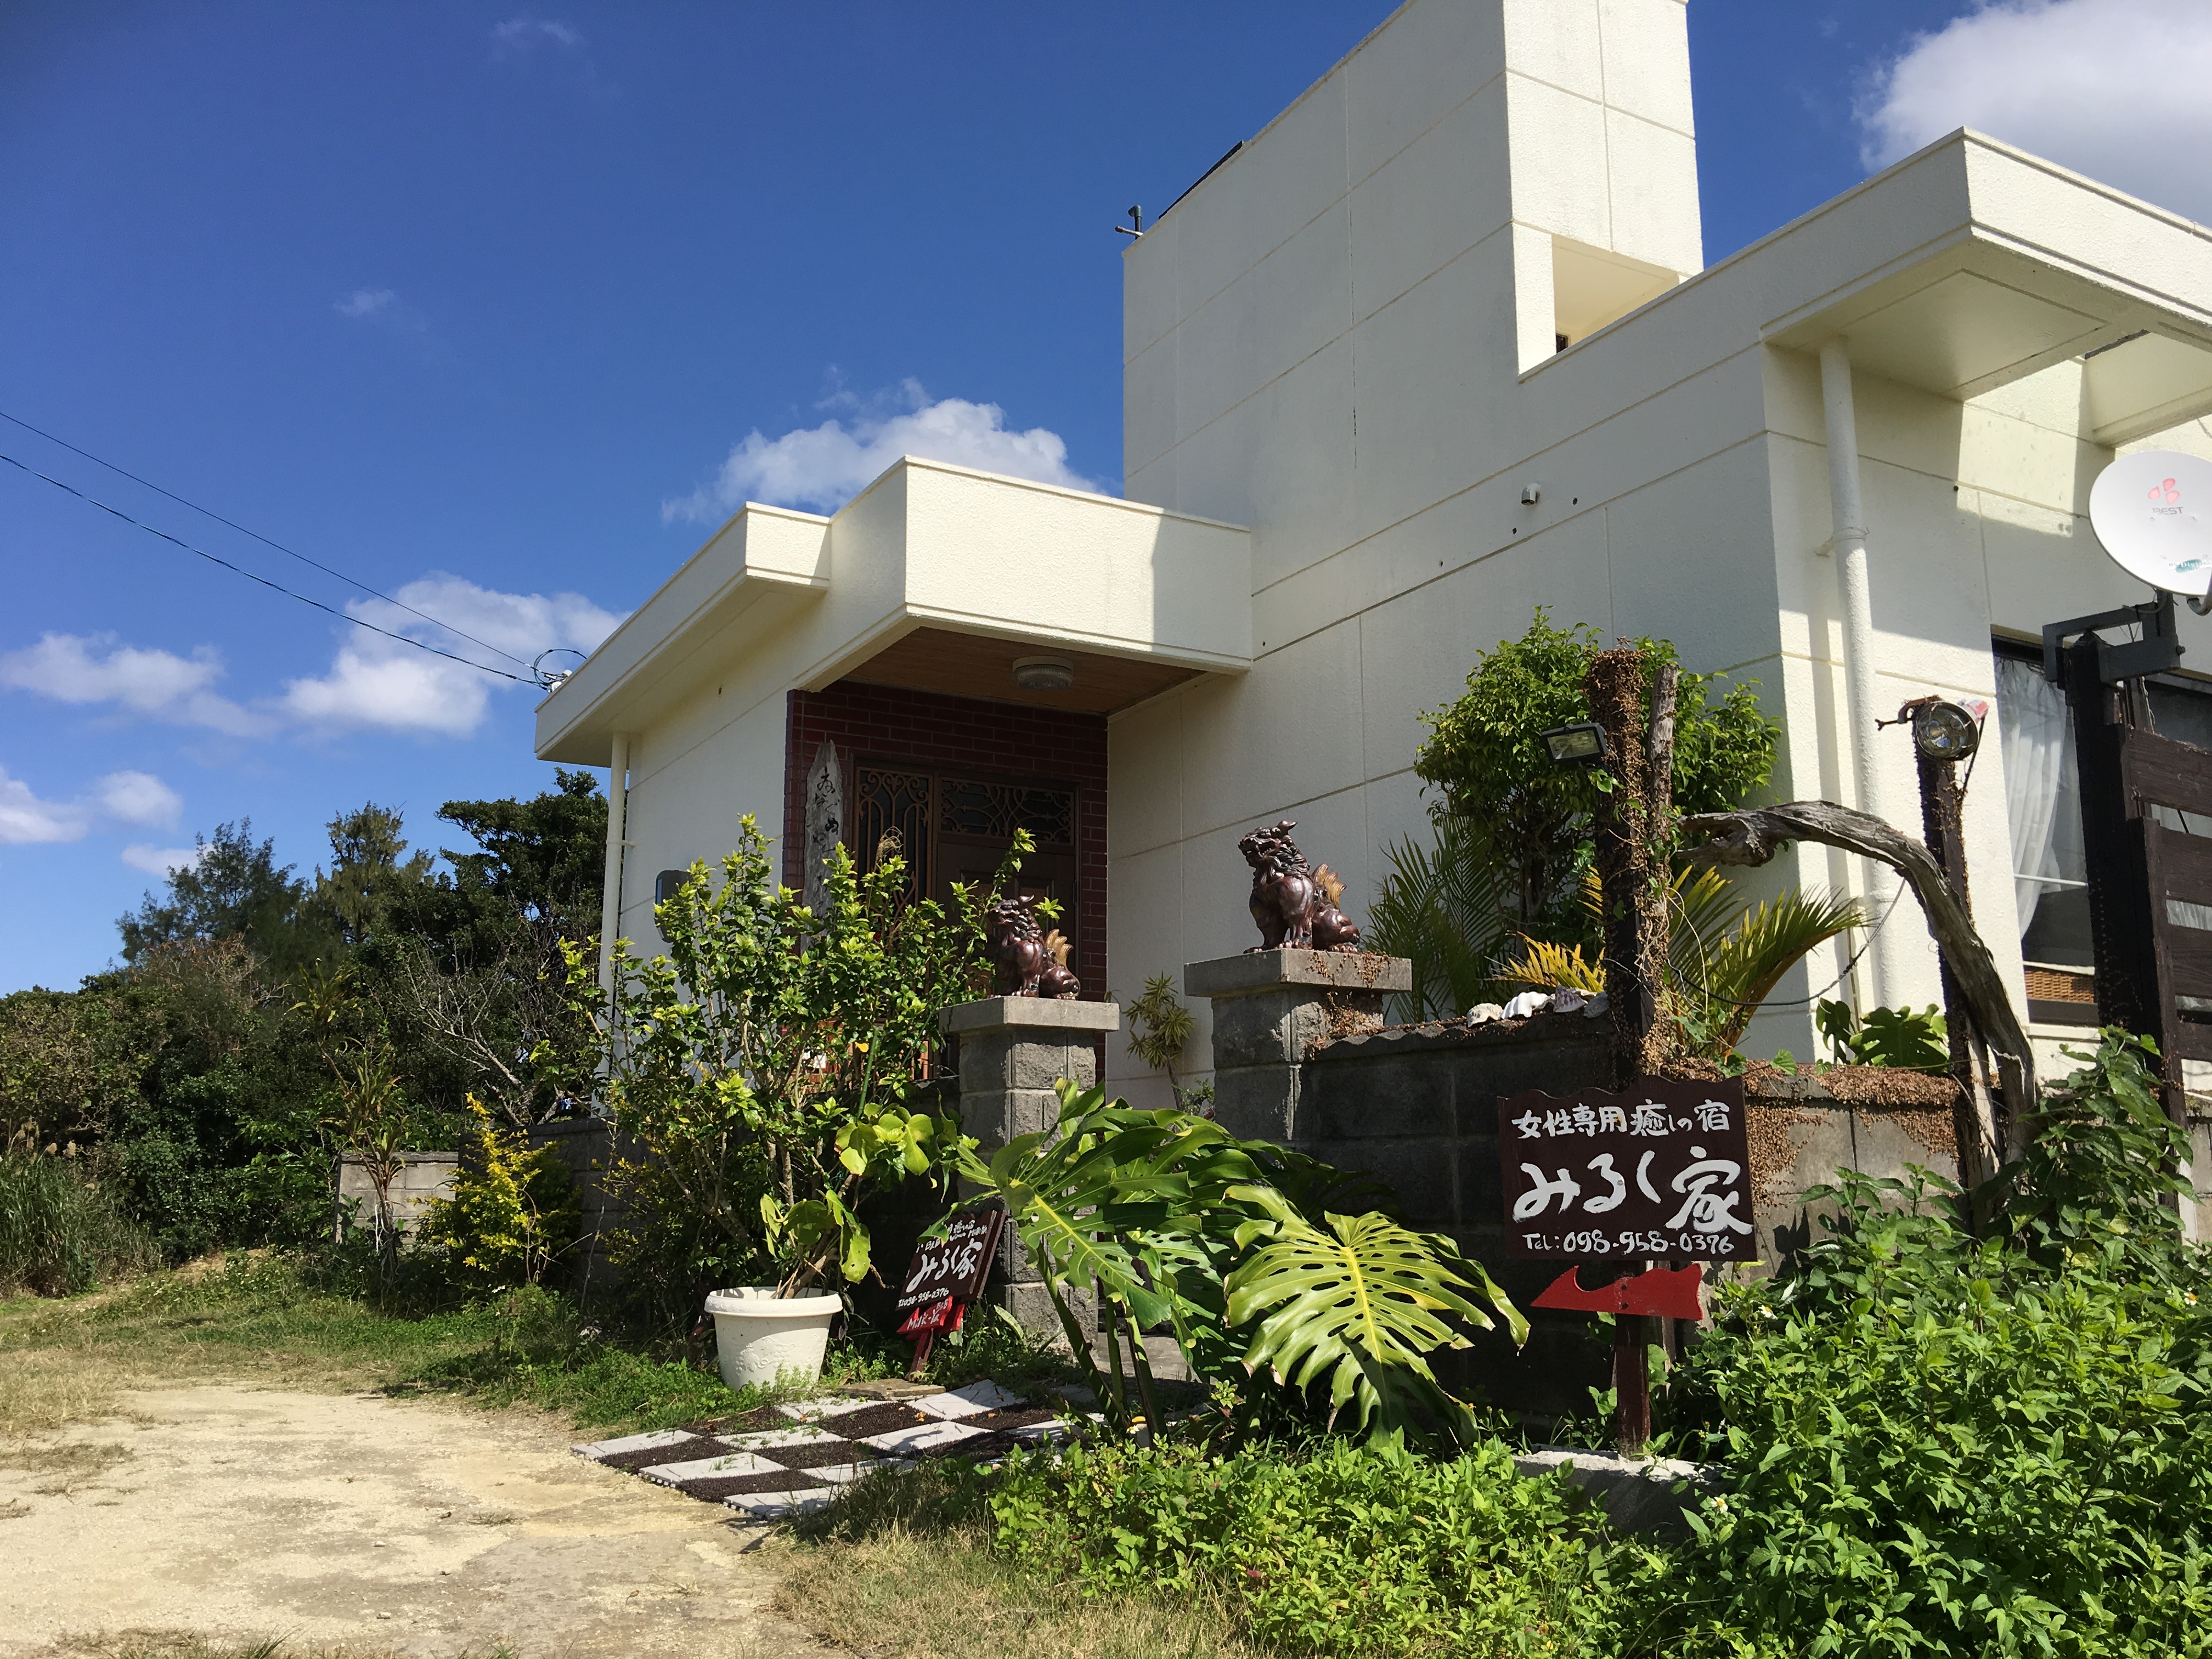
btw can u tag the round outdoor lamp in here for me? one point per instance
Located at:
(1945, 732)
(1043, 673)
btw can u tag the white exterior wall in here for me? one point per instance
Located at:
(928, 545)
(1344, 339)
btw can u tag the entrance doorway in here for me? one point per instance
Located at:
(954, 827)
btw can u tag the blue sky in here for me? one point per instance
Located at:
(481, 306)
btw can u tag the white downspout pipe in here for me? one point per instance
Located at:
(1848, 517)
(610, 894)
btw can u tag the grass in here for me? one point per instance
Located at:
(268, 1318)
(265, 1319)
(903, 1569)
(61, 1228)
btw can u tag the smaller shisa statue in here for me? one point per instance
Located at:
(1026, 960)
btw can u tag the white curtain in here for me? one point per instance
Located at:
(2041, 794)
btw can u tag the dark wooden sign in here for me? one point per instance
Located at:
(956, 1265)
(1661, 1169)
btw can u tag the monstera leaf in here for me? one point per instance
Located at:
(1130, 1202)
(1361, 1301)
(1176, 1222)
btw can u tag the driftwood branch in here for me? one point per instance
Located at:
(1755, 835)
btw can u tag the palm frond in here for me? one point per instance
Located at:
(1442, 906)
(1704, 903)
(1543, 965)
(1742, 969)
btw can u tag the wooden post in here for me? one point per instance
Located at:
(1633, 823)
(1631, 1384)
(1629, 821)
(1979, 1137)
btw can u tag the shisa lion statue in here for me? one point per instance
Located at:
(1294, 903)
(1027, 961)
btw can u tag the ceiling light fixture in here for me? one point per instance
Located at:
(1043, 673)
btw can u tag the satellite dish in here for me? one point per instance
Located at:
(2153, 512)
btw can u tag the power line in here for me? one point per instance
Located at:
(257, 535)
(278, 586)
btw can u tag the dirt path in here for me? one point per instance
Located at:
(335, 1520)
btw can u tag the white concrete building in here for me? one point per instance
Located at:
(1463, 269)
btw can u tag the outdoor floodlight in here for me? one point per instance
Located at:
(1945, 732)
(1580, 744)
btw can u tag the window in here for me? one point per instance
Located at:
(2044, 806)
(2042, 801)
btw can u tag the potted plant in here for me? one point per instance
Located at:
(756, 1076)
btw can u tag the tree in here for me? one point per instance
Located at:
(545, 856)
(476, 973)
(371, 886)
(1486, 755)
(70, 1064)
(758, 1066)
(231, 888)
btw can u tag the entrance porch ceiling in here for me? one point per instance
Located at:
(977, 666)
(2015, 265)
(935, 578)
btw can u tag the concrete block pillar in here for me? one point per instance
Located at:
(1269, 1007)
(1012, 1050)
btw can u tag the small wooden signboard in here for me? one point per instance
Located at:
(1659, 1170)
(945, 1275)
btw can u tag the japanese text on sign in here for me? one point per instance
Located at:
(956, 1265)
(1660, 1169)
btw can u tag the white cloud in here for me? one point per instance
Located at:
(379, 308)
(25, 818)
(138, 798)
(823, 467)
(69, 668)
(520, 33)
(160, 860)
(2113, 89)
(380, 684)
(372, 683)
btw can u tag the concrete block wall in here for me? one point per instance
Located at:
(588, 1147)
(426, 1176)
(1417, 1107)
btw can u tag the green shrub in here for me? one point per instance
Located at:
(1346, 1550)
(1943, 1444)
(757, 1065)
(513, 1212)
(1913, 1042)
(1486, 752)
(61, 1229)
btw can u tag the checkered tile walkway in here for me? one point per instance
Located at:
(782, 1461)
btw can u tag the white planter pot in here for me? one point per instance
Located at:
(760, 1336)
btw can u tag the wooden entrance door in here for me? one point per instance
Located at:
(956, 827)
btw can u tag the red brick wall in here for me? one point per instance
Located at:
(962, 734)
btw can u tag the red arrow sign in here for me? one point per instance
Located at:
(1671, 1292)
